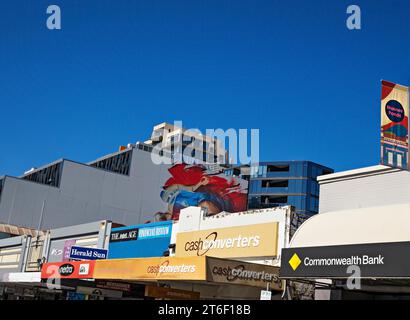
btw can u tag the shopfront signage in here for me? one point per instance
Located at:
(146, 240)
(169, 268)
(68, 270)
(258, 240)
(82, 253)
(243, 273)
(124, 235)
(375, 260)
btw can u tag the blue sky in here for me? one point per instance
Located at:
(290, 68)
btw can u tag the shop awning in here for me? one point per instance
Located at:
(366, 225)
(189, 269)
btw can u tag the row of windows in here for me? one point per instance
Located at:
(50, 175)
(302, 203)
(119, 163)
(297, 169)
(284, 186)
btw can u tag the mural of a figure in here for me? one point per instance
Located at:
(193, 185)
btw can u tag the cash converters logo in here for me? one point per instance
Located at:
(295, 261)
(241, 273)
(211, 241)
(165, 267)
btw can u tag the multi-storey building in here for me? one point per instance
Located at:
(283, 183)
(177, 140)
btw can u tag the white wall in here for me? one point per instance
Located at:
(374, 186)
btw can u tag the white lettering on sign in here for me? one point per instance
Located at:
(353, 260)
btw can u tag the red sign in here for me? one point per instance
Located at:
(68, 270)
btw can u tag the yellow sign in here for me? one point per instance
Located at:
(258, 240)
(163, 268)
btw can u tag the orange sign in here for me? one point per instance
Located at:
(258, 240)
(163, 268)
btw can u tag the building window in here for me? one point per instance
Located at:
(50, 175)
(274, 199)
(278, 168)
(119, 163)
(275, 183)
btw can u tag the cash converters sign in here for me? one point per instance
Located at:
(257, 240)
(68, 270)
(376, 260)
(171, 268)
(243, 273)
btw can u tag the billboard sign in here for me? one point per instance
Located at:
(257, 240)
(81, 253)
(394, 125)
(146, 240)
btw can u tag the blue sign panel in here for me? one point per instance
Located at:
(81, 253)
(140, 241)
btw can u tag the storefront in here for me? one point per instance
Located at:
(21, 258)
(197, 275)
(360, 236)
(88, 235)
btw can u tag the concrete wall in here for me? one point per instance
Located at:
(86, 194)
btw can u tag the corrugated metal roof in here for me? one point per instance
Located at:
(19, 231)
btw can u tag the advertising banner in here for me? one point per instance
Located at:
(68, 270)
(375, 260)
(243, 273)
(258, 240)
(146, 240)
(164, 268)
(394, 125)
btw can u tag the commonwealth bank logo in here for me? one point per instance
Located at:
(295, 261)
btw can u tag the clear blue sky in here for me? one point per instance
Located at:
(290, 68)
